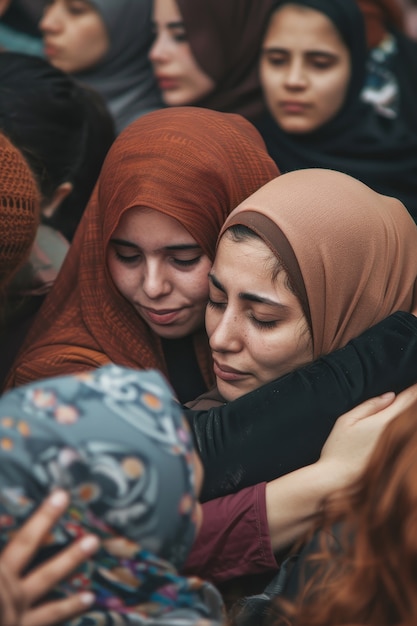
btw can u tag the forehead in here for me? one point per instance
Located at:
(166, 10)
(142, 224)
(299, 26)
(247, 260)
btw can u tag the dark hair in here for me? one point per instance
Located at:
(64, 130)
(367, 575)
(239, 232)
(42, 112)
(100, 134)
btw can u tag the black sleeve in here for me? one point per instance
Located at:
(283, 425)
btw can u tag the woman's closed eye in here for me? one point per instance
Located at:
(186, 262)
(276, 58)
(78, 7)
(216, 304)
(127, 258)
(263, 324)
(322, 61)
(179, 35)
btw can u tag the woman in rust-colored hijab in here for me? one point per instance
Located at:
(186, 168)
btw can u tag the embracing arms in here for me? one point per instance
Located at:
(283, 425)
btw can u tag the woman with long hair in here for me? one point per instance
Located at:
(358, 564)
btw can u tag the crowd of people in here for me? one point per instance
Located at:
(208, 312)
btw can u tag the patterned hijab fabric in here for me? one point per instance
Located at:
(349, 251)
(116, 440)
(191, 164)
(124, 77)
(225, 38)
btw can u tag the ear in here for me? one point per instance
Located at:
(60, 194)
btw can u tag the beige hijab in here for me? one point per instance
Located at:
(350, 252)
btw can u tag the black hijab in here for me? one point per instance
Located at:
(380, 152)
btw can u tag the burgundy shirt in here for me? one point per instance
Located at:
(234, 538)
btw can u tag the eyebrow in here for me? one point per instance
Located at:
(179, 246)
(308, 52)
(243, 295)
(169, 24)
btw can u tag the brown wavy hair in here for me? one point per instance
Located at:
(369, 576)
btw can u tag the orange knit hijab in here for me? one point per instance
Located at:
(19, 210)
(189, 163)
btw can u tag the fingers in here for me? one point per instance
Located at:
(20, 550)
(406, 400)
(12, 603)
(46, 576)
(370, 407)
(59, 611)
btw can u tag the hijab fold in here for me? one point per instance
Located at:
(225, 38)
(124, 77)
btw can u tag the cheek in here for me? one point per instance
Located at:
(121, 278)
(200, 291)
(210, 321)
(274, 353)
(195, 284)
(199, 83)
(334, 93)
(266, 78)
(90, 45)
(97, 43)
(264, 350)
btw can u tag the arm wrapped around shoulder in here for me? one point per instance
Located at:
(283, 425)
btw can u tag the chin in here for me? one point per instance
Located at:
(172, 99)
(296, 128)
(228, 392)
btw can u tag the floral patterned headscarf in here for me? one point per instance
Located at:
(116, 440)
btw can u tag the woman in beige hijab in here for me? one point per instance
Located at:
(334, 258)
(304, 265)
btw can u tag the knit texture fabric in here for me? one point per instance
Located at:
(19, 210)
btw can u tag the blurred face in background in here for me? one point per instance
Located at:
(180, 79)
(304, 69)
(4, 5)
(74, 35)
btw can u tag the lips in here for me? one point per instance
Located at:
(290, 106)
(228, 374)
(162, 316)
(50, 50)
(166, 83)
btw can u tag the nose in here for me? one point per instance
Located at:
(295, 77)
(52, 21)
(159, 51)
(156, 283)
(224, 332)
